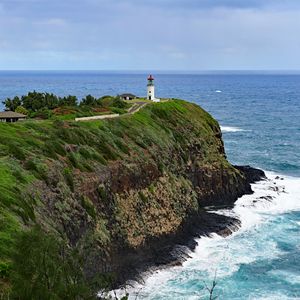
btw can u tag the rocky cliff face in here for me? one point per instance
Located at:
(125, 191)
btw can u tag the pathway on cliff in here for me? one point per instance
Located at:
(133, 109)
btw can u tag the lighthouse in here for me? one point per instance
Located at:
(151, 89)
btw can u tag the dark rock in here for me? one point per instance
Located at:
(143, 210)
(252, 174)
(172, 250)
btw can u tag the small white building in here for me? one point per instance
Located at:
(11, 117)
(128, 96)
(151, 90)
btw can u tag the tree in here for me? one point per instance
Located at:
(212, 288)
(34, 101)
(119, 103)
(21, 110)
(12, 104)
(50, 101)
(68, 101)
(89, 100)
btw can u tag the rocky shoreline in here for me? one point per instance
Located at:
(123, 196)
(172, 250)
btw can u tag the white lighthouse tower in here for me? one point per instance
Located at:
(151, 90)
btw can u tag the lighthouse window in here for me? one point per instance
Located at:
(149, 92)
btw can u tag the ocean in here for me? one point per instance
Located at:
(259, 114)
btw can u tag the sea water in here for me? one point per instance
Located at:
(259, 115)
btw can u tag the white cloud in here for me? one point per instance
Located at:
(52, 22)
(120, 34)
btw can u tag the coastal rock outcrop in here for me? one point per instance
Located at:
(124, 192)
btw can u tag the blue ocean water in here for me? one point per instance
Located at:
(260, 119)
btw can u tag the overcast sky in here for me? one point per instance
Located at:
(150, 34)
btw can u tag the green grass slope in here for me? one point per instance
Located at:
(56, 154)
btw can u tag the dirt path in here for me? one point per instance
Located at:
(136, 107)
(133, 109)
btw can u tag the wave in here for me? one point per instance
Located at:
(278, 194)
(218, 91)
(232, 129)
(254, 242)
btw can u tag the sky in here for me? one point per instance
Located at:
(192, 35)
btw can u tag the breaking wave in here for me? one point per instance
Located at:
(231, 129)
(248, 259)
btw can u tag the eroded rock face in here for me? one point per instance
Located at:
(146, 211)
(168, 210)
(129, 214)
(252, 174)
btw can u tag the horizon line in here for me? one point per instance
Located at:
(166, 71)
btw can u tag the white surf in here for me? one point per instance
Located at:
(279, 194)
(231, 129)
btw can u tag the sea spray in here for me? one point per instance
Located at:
(232, 129)
(236, 258)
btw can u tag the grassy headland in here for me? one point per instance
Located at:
(75, 195)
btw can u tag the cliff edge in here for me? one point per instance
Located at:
(112, 196)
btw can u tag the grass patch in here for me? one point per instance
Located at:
(60, 150)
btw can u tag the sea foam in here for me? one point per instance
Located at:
(225, 256)
(231, 129)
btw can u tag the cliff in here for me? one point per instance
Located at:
(118, 193)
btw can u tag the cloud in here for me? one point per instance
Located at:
(156, 34)
(52, 22)
(209, 4)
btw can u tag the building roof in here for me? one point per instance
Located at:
(10, 115)
(150, 77)
(128, 95)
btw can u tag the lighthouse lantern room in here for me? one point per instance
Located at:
(151, 89)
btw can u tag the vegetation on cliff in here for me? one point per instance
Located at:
(79, 196)
(49, 106)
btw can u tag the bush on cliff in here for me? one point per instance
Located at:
(21, 110)
(44, 268)
(47, 105)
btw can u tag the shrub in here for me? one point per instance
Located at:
(122, 146)
(38, 169)
(88, 205)
(117, 110)
(68, 174)
(53, 147)
(102, 192)
(143, 197)
(89, 100)
(119, 103)
(50, 271)
(21, 110)
(5, 268)
(74, 160)
(16, 151)
(43, 113)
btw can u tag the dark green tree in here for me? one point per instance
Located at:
(119, 103)
(89, 100)
(68, 101)
(12, 104)
(50, 101)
